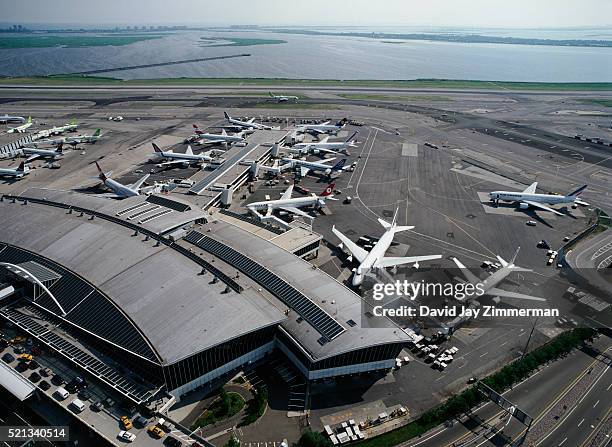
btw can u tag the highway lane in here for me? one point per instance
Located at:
(583, 419)
(534, 395)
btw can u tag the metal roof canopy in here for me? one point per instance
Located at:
(15, 383)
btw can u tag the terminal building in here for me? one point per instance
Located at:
(175, 295)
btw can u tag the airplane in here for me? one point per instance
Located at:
(120, 190)
(35, 153)
(275, 168)
(250, 124)
(176, 158)
(489, 284)
(223, 137)
(22, 128)
(5, 119)
(321, 128)
(375, 258)
(18, 172)
(56, 130)
(84, 138)
(529, 197)
(283, 98)
(292, 204)
(325, 146)
(320, 166)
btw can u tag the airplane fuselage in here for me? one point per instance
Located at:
(186, 157)
(550, 199)
(296, 202)
(41, 152)
(321, 128)
(12, 119)
(119, 189)
(214, 137)
(12, 173)
(312, 165)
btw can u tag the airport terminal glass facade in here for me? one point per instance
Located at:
(197, 365)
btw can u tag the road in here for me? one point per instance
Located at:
(537, 395)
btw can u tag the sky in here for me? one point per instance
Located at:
(459, 13)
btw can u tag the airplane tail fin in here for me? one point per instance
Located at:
(329, 190)
(338, 166)
(227, 117)
(189, 151)
(60, 147)
(73, 122)
(97, 133)
(577, 192)
(271, 94)
(21, 167)
(29, 119)
(101, 175)
(386, 225)
(156, 148)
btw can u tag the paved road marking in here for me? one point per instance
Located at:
(580, 423)
(482, 355)
(561, 443)
(595, 404)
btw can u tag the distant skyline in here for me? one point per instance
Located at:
(436, 13)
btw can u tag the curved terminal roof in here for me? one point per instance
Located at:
(175, 311)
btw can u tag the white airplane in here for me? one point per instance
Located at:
(250, 124)
(120, 190)
(325, 146)
(4, 119)
(22, 128)
(276, 168)
(213, 138)
(489, 284)
(57, 130)
(317, 166)
(176, 158)
(321, 128)
(529, 197)
(35, 153)
(84, 138)
(283, 98)
(18, 172)
(375, 259)
(292, 204)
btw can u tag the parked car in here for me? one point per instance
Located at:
(531, 223)
(155, 431)
(57, 379)
(34, 377)
(126, 423)
(97, 406)
(141, 421)
(172, 442)
(76, 384)
(84, 395)
(45, 372)
(44, 385)
(8, 358)
(126, 436)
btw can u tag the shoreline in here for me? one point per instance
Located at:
(451, 84)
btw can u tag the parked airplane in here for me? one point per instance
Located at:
(283, 98)
(325, 146)
(317, 166)
(292, 204)
(375, 259)
(223, 137)
(84, 138)
(489, 284)
(18, 172)
(22, 128)
(56, 130)
(176, 158)
(529, 197)
(120, 190)
(276, 168)
(250, 124)
(35, 153)
(11, 119)
(321, 128)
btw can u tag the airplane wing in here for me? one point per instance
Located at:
(328, 160)
(581, 202)
(32, 158)
(317, 131)
(304, 171)
(531, 189)
(358, 252)
(466, 272)
(542, 207)
(393, 261)
(287, 193)
(251, 120)
(294, 210)
(324, 140)
(139, 183)
(172, 162)
(506, 294)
